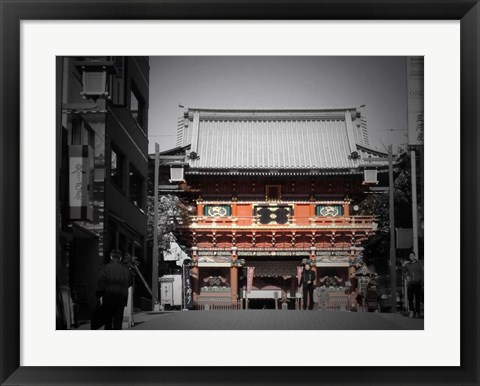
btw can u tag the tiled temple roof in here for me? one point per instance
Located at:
(323, 139)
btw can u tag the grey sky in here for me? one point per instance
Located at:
(279, 82)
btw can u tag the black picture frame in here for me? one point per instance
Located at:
(13, 12)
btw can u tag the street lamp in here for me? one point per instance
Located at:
(94, 77)
(370, 175)
(177, 173)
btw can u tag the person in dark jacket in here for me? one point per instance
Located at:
(413, 269)
(112, 290)
(307, 281)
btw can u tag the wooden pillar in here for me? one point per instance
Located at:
(313, 266)
(234, 279)
(351, 269)
(351, 276)
(234, 283)
(199, 209)
(195, 272)
(346, 209)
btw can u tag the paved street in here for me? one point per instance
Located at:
(274, 320)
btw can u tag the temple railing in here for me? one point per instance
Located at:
(219, 306)
(363, 221)
(351, 222)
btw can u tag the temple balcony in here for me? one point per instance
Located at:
(366, 223)
(286, 215)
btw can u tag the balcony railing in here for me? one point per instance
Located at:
(351, 222)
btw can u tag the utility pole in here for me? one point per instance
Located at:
(413, 159)
(155, 232)
(393, 257)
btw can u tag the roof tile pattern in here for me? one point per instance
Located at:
(310, 140)
(273, 144)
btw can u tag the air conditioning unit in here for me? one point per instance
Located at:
(370, 176)
(176, 173)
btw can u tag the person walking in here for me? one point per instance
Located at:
(112, 290)
(413, 269)
(307, 281)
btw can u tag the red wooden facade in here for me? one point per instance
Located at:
(263, 202)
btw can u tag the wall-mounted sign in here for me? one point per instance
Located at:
(329, 210)
(217, 210)
(81, 168)
(415, 68)
(273, 214)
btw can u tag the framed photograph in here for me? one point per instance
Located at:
(52, 52)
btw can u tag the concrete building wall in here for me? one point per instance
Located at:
(119, 120)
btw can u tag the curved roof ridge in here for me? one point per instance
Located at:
(276, 109)
(370, 150)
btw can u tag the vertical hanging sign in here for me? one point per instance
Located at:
(250, 272)
(299, 274)
(188, 298)
(166, 291)
(415, 80)
(81, 182)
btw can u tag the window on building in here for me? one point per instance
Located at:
(75, 135)
(137, 251)
(116, 168)
(273, 192)
(81, 133)
(122, 242)
(136, 106)
(112, 238)
(136, 187)
(88, 136)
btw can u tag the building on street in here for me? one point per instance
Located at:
(274, 189)
(102, 160)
